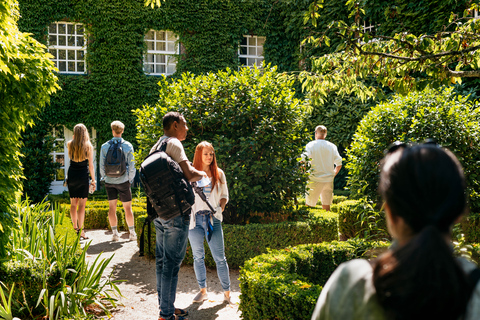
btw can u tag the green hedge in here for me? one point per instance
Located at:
(286, 283)
(359, 218)
(471, 227)
(245, 242)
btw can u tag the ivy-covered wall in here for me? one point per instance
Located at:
(209, 31)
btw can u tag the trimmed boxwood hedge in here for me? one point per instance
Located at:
(243, 242)
(286, 283)
(359, 218)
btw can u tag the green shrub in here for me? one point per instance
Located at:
(247, 241)
(471, 227)
(286, 283)
(253, 121)
(451, 120)
(358, 218)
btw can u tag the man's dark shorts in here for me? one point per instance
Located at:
(122, 189)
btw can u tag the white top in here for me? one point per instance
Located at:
(174, 149)
(325, 157)
(350, 294)
(219, 192)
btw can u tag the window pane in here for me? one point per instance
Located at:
(80, 66)
(260, 51)
(62, 55)
(260, 41)
(150, 58)
(71, 29)
(71, 66)
(243, 61)
(80, 55)
(160, 35)
(160, 46)
(148, 68)
(171, 68)
(60, 158)
(159, 68)
(60, 175)
(62, 40)
(171, 46)
(80, 41)
(171, 60)
(71, 54)
(244, 41)
(150, 45)
(62, 66)
(53, 52)
(160, 58)
(259, 62)
(79, 29)
(252, 51)
(243, 50)
(52, 28)
(52, 40)
(171, 36)
(150, 35)
(62, 28)
(71, 41)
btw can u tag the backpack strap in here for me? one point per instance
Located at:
(147, 222)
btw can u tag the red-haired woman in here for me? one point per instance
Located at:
(217, 195)
(80, 151)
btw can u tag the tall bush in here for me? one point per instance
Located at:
(26, 81)
(254, 123)
(450, 119)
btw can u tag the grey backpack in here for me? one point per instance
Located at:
(115, 161)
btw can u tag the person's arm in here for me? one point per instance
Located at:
(131, 166)
(102, 162)
(337, 169)
(191, 174)
(90, 166)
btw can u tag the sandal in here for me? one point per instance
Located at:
(181, 312)
(84, 237)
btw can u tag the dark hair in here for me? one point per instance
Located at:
(425, 186)
(170, 118)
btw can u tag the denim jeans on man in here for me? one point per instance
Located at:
(217, 248)
(171, 244)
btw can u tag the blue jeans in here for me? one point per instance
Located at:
(217, 248)
(171, 244)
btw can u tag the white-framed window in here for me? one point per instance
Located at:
(162, 51)
(67, 45)
(368, 27)
(250, 51)
(475, 14)
(58, 154)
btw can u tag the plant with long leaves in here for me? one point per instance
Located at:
(6, 305)
(80, 285)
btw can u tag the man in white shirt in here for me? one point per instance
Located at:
(172, 235)
(325, 165)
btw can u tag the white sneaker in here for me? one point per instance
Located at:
(133, 236)
(115, 236)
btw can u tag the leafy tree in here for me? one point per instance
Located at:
(450, 119)
(403, 60)
(26, 81)
(255, 125)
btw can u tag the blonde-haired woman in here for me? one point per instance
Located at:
(80, 152)
(217, 195)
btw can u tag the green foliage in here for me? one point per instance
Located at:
(414, 45)
(247, 241)
(240, 113)
(26, 81)
(286, 283)
(49, 270)
(471, 227)
(451, 120)
(38, 166)
(358, 218)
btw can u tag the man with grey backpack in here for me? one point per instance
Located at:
(117, 168)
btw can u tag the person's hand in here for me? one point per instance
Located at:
(203, 173)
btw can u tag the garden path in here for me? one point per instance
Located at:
(139, 290)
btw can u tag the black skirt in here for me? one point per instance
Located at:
(77, 180)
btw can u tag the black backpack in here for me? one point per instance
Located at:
(169, 194)
(115, 161)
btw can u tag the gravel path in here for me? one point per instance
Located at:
(140, 299)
